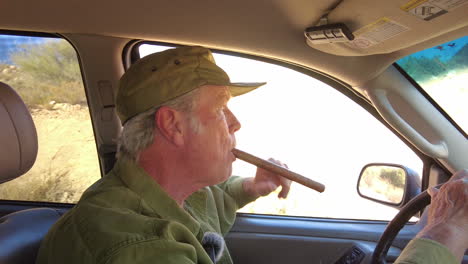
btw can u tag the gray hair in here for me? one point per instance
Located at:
(138, 132)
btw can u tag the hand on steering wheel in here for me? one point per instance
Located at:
(447, 218)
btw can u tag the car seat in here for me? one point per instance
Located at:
(21, 232)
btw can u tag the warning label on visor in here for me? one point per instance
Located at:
(430, 9)
(377, 32)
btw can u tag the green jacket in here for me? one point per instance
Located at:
(425, 251)
(127, 218)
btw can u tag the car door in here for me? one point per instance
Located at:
(312, 122)
(321, 129)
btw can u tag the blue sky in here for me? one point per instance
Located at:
(447, 51)
(10, 43)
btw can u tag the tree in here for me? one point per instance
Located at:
(460, 59)
(46, 72)
(422, 68)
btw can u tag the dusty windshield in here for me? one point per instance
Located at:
(442, 71)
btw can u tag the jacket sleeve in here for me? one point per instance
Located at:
(228, 197)
(421, 250)
(233, 187)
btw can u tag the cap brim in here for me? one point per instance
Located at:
(242, 88)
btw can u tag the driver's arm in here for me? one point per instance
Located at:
(445, 237)
(426, 251)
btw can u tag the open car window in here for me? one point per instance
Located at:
(442, 71)
(44, 71)
(317, 131)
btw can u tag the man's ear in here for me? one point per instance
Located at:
(169, 124)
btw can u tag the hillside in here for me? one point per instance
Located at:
(11, 44)
(460, 59)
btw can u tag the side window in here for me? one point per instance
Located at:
(317, 131)
(46, 74)
(442, 72)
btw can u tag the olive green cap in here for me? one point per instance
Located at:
(163, 76)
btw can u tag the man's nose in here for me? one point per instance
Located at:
(233, 123)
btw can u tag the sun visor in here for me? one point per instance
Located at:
(360, 28)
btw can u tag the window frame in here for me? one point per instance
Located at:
(131, 54)
(430, 99)
(13, 205)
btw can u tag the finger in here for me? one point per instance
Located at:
(284, 165)
(278, 162)
(286, 186)
(465, 183)
(285, 183)
(265, 188)
(461, 174)
(271, 186)
(433, 192)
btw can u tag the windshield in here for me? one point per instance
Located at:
(442, 71)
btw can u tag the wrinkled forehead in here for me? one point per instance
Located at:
(221, 93)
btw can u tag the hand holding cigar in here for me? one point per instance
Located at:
(270, 166)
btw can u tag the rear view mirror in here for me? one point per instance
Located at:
(389, 184)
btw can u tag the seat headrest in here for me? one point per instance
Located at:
(18, 137)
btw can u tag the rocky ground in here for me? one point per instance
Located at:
(67, 160)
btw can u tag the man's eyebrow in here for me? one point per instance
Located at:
(226, 95)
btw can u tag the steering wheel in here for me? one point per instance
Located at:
(409, 210)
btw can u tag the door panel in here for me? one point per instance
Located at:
(273, 239)
(8, 207)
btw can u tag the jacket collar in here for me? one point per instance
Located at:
(153, 194)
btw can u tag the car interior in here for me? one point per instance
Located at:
(356, 47)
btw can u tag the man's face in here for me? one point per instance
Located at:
(210, 142)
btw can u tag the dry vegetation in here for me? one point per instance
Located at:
(48, 79)
(67, 161)
(386, 184)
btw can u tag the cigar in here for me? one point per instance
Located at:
(272, 167)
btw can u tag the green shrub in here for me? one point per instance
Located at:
(45, 72)
(393, 177)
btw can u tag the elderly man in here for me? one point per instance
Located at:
(170, 195)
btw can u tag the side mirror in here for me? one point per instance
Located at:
(389, 184)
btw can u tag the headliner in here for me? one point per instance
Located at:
(271, 28)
